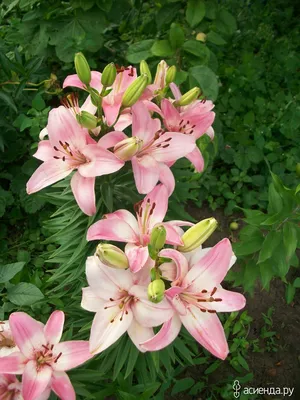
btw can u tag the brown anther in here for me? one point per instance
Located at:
(167, 140)
(218, 299)
(121, 319)
(193, 126)
(61, 143)
(126, 312)
(60, 354)
(204, 291)
(56, 158)
(52, 345)
(67, 144)
(212, 311)
(55, 148)
(213, 291)
(64, 158)
(165, 146)
(181, 122)
(203, 309)
(45, 347)
(111, 299)
(158, 145)
(111, 321)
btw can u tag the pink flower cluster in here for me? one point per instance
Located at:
(147, 285)
(162, 134)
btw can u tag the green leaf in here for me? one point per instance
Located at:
(167, 14)
(212, 367)
(296, 283)
(248, 247)
(242, 362)
(176, 36)
(207, 81)
(24, 294)
(195, 12)
(139, 51)
(215, 38)
(290, 239)
(226, 22)
(162, 48)
(266, 272)
(270, 243)
(275, 200)
(290, 293)
(182, 385)
(7, 99)
(38, 103)
(198, 49)
(8, 271)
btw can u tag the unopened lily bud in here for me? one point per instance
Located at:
(160, 76)
(134, 91)
(109, 75)
(188, 97)
(112, 256)
(82, 68)
(158, 237)
(127, 148)
(197, 234)
(201, 37)
(144, 69)
(156, 290)
(171, 75)
(87, 120)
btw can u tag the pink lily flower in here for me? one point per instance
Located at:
(112, 102)
(7, 344)
(42, 359)
(194, 121)
(156, 150)
(11, 389)
(123, 226)
(119, 299)
(69, 148)
(196, 296)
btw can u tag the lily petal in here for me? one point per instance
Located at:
(84, 192)
(112, 229)
(108, 326)
(54, 327)
(166, 177)
(166, 335)
(62, 386)
(73, 353)
(143, 126)
(102, 162)
(45, 151)
(12, 364)
(90, 300)
(173, 145)
(211, 269)
(207, 329)
(137, 256)
(48, 173)
(180, 262)
(196, 158)
(139, 334)
(230, 301)
(111, 139)
(73, 80)
(146, 313)
(157, 201)
(35, 380)
(171, 115)
(28, 333)
(146, 173)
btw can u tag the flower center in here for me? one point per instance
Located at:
(123, 303)
(143, 213)
(66, 153)
(46, 356)
(185, 127)
(201, 300)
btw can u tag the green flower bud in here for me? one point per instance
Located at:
(112, 256)
(134, 91)
(188, 97)
(144, 69)
(197, 234)
(156, 290)
(171, 75)
(82, 68)
(160, 76)
(127, 148)
(109, 75)
(234, 226)
(95, 97)
(158, 237)
(87, 120)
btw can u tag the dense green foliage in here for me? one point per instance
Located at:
(247, 64)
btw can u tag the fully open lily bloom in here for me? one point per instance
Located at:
(70, 148)
(42, 360)
(194, 122)
(119, 299)
(155, 149)
(7, 343)
(122, 226)
(197, 295)
(112, 102)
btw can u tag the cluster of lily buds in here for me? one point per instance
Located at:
(163, 129)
